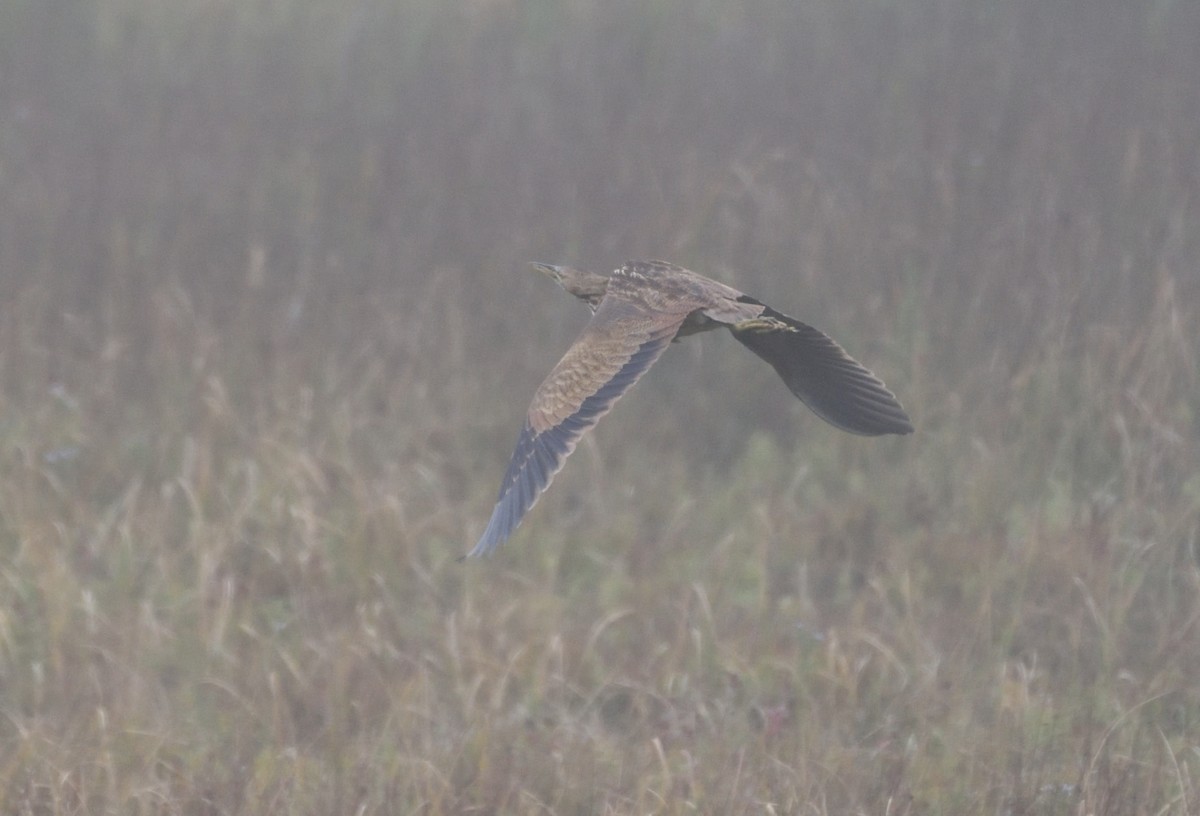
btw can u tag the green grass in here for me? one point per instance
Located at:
(257, 608)
(266, 339)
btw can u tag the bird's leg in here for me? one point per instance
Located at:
(761, 324)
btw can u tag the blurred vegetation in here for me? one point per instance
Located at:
(266, 336)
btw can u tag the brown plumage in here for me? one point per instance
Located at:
(637, 312)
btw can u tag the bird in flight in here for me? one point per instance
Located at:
(637, 311)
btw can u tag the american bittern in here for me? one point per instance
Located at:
(636, 312)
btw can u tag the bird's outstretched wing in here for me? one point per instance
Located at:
(818, 371)
(615, 349)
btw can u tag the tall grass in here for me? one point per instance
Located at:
(266, 336)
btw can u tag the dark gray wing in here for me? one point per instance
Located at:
(818, 371)
(615, 349)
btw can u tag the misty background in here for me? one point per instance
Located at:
(268, 332)
(948, 187)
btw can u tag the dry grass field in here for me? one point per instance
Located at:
(267, 336)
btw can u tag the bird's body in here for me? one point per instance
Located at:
(638, 311)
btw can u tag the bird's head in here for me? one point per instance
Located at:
(587, 286)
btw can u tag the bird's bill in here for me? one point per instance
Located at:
(550, 270)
